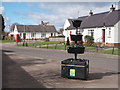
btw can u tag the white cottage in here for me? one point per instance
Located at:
(33, 31)
(104, 27)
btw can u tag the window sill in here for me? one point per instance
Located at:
(109, 36)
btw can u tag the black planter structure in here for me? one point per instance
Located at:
(75, 68)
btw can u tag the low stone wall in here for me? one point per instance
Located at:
(56, 39)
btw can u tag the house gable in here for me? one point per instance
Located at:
(67, 24)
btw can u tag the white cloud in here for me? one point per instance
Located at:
(61, 11)
(1, 9)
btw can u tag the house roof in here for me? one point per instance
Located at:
(98, 20)
(34, 28)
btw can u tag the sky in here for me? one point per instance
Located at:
(32, 13)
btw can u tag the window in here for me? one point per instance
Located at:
(43, 35)
(54, 34)
(33, 34)
(91, 32)
(109, 31)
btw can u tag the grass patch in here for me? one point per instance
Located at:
(52, 45)
(109, 51)
(88, 48)
(60, 47)
(49, 42)
(6, 41)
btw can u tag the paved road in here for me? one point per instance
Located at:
(13, 76)
(43, 65)
(109, 62)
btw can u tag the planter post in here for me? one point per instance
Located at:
(65, 46)
(113, 51)
(47, 46)
(75, 68)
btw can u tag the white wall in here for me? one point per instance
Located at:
(110, 38)
(37, 35)
(117, 33)
(14, 32)
(98, 34)
(67, 24)
(66, 32)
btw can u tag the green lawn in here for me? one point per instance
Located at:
(6, 41)
(61, 47)
(57, 45)
(49, 42)
(88, 48)
(109, 51)
(53, 45)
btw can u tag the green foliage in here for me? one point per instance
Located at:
(89, 40)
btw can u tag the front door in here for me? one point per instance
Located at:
(24, 35)
(103, 35)
(51, 34)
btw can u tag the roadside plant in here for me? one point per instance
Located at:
(89, 40)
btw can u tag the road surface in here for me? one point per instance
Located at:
(43, 65)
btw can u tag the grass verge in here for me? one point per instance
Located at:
(6, 41)
(116, 51)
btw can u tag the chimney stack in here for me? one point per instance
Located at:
(112, 8)
(90, 13)
(42, 23)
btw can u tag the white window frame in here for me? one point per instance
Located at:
(90, 32)
(109, 32)
(33, 34)
(43, 34)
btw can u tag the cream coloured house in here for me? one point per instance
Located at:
(33, 31)
(104, 27)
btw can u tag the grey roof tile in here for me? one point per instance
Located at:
(98, 20)
(34, 28)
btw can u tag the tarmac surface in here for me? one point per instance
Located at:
(16, 77)
(25, 67)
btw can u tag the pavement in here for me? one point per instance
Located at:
(16, 77)
(42, 66)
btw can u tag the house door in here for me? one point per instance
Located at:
(24, 35)
(51, 34)
(103, 35)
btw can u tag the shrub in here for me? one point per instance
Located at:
(89, 40)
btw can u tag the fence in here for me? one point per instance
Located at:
(107, 50)
(48, 46)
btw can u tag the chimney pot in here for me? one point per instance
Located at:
(90, 13)
(42, 23)
(112, 8)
